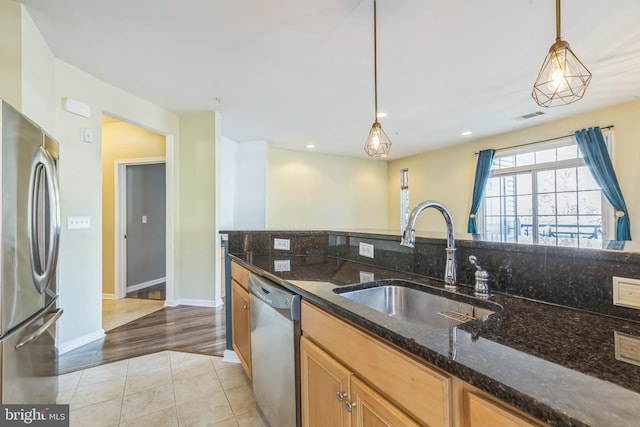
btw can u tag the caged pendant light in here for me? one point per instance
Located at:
(563, 79)
(378, 144)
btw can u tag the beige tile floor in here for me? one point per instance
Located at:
(166, 389)
(117, 312)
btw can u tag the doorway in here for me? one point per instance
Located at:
(143, 205)
(124, 143)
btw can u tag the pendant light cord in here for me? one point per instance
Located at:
(558, 38)
(375, 59)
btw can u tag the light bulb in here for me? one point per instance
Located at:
(375, 140)
(558, 80)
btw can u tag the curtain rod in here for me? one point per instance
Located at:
(544, 140)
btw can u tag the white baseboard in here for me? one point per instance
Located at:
(108, 296)
(80, 341)
(230, 356)
(194, 302)
(143, 285)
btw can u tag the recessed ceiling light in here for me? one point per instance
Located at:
(381, 114)
(466, 133)
(310, 146)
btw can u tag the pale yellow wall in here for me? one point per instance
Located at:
(319, 191)
(38, 99)
(80, 267)
(447, 174)
(198, 242)
(47, 80)
(120, 141)
(11, 53)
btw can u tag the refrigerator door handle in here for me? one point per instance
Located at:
(54, 216)
(41, 330)
(30, 321)
(43, 166)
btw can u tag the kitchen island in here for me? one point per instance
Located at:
(559, 365)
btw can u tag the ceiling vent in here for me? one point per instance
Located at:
(532, 115)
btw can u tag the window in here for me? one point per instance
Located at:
(404, 198)
(544, 193)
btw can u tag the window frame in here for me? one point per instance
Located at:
(607, 212)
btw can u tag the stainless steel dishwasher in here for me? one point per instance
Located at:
(275, 332)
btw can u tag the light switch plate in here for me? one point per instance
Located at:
(366, 250)
(626, 292)
(86, 135)
(76, 222)
(281, 244)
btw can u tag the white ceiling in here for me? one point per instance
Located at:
(296, 72)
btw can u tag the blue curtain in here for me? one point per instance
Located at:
(596, 156)
(483, 169)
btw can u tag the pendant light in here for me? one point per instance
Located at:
(563, 79)
(378, 144)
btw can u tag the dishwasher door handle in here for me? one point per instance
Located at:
(275, 296)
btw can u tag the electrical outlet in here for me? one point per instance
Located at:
(366, 250)
(366, 276)
(76, 222)
(282, 265)
(281, 244)
(627, 347)
(626, 292)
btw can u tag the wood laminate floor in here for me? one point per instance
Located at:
(198, 330)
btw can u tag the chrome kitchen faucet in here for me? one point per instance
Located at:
(409, 238)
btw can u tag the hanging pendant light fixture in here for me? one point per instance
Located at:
(563, 79)
(378, 144)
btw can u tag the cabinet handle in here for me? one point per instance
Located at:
(350, 406)
(245, 306)
(341, 396)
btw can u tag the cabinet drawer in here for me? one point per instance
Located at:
(483, 412)
(240, 274)
(421, 391)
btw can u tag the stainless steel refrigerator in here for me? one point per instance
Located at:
(30, 235)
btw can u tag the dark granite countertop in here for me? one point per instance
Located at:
(556, 363)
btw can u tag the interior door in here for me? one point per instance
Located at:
(146, 229)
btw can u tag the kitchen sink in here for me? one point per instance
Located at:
(418, 304)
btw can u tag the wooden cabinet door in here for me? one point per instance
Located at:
(240, 274)
(241, 325)
(322, 379)
(484, 413)
(421, 391)
(370, 409)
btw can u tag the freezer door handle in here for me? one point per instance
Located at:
(43, 167)
(41, 330)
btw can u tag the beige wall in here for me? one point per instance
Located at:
(198, 246)
(319, 191)
(33, 80)
(447, 174)
(11, 53)
(120, 141)
(38, 98)
(80, 267)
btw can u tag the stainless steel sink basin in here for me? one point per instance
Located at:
(418, 306)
